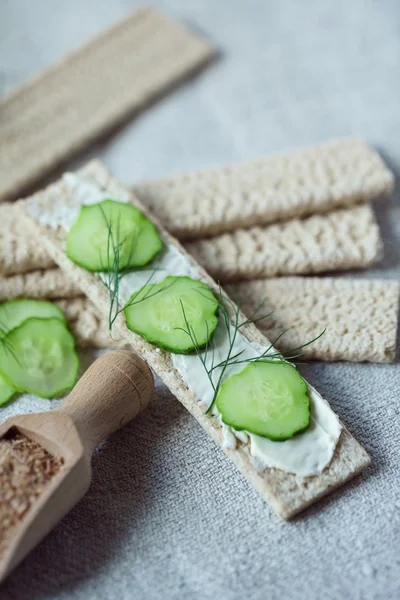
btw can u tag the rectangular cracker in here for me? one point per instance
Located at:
(90, 92)
(360, 316)
(288, 494)
(340, 240)
(274, 188)
(38, 284)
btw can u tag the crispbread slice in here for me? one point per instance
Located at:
(288, 494)
(340, 240)
(90, 92)
(360, 316)
(38, 284)
(347, 308)
(274, 188)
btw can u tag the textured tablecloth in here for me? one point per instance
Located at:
(167, 515)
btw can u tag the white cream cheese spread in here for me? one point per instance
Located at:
(64, 215)
(305, 454)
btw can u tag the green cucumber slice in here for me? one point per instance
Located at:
(39, 357)
(155, 312)
(14, 312)
(112, 236)
(267, 398)
(6, 391)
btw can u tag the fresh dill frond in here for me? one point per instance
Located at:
(113, 273)
(230, 316)
(112, 266)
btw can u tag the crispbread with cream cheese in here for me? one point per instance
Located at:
(288, 494)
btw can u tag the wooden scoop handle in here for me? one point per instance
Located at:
(116, 387)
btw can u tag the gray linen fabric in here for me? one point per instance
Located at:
(167, 516)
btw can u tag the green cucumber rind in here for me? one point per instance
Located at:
(89, 268)
(271, 437)
(29, 390)
(166, 347)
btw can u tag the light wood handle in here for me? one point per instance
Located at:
(116, 387)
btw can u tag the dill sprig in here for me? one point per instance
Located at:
(114, 273)
(231, 317)
(112, 265)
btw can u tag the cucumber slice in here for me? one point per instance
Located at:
(112, 236)
(39, 357)
(155, 312)
(267, 398)
(6, 391)
(14, 312)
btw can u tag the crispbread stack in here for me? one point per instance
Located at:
(275, 188)
(338, 240)
(288, 494)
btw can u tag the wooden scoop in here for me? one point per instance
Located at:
(109, 395)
